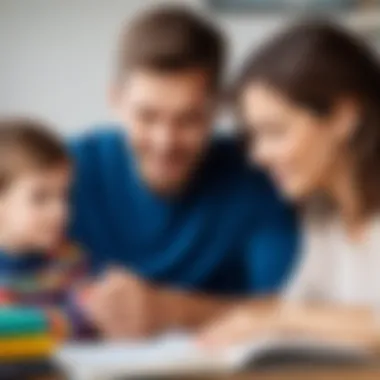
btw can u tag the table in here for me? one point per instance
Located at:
(344, 372)
(320, 374)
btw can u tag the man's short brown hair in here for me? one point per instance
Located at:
(27, 144)
(171, 39)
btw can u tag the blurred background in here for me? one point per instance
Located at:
(56, 56)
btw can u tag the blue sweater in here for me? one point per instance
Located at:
(229, 234)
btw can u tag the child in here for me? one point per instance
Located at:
(37, 267)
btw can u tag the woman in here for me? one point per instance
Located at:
(311, 100)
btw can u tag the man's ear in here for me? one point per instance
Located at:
(346, 119)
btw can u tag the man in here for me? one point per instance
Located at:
(172, 217)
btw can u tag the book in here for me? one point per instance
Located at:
(26, 347)
(179, 354)
(20, 321)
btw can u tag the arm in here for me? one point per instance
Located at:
(123, 305)
(347, 325)
(192, 310)
(358, 325)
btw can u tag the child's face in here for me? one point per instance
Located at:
(34, 208)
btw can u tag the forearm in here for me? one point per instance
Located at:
(346, 323)
(191, 310)
(350, 324)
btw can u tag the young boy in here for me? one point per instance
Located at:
(37, 266)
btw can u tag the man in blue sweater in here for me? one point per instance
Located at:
(178, 227)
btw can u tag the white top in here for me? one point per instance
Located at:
(334, 269)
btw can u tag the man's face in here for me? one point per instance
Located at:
(168, 117)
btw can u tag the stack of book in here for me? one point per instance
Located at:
(27, 342)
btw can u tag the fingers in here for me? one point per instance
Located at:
(101, 307)
(120, 306)
(225, 332)
(236, 328)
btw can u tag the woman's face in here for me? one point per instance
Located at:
(299, 149)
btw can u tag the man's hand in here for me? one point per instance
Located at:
(122, 305)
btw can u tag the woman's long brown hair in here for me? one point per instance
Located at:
(315, 64)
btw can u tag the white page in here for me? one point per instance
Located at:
(177, 354)
(169, 354)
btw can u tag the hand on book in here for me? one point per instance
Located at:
(239, 325)
(122, 305)
(353, 326)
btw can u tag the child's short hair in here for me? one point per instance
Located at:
(27, 144)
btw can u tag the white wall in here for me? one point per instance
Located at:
(56, 56)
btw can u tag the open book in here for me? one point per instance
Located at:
(178, 354)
